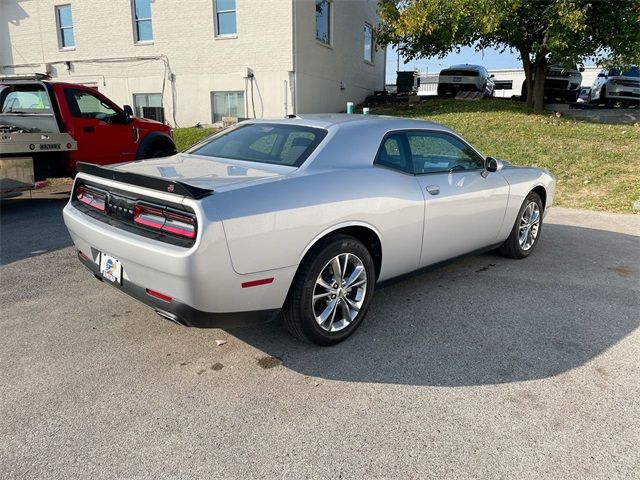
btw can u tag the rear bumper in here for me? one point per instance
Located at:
(181, 313)
(449, 88)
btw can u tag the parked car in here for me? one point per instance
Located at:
(301, 216)
(48, 127)
(467, 78)
(615, 85)
(561, 83)
(585, 95)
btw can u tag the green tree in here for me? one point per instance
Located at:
(543, 32)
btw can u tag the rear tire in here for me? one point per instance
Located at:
(526, 231)
(158, 150)
(337, 293)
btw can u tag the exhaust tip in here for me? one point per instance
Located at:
(169, 316)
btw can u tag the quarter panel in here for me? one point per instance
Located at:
(270, 226)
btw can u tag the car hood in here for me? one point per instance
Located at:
(205, 172)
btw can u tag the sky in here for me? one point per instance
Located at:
(489, 58)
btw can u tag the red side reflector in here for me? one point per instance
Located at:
(255, 283)
(84, 257)
(161, 296)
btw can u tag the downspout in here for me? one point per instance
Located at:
(294, 86)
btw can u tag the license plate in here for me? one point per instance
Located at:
(457, 79)
(110, 268)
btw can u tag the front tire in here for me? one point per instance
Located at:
(331, 292)
(526, 230)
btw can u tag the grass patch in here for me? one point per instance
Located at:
(186, 137)
(597, 166)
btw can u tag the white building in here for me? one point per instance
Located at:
(201, 59)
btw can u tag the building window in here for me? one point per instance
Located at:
(65, 26)
(323, 21)
(225, 13)
(142, 20)
(141, 100)
(227, 104)
(368, 43)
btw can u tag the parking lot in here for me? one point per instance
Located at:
(486, 368)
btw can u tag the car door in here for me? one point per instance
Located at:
(97, 125)
(465, 205)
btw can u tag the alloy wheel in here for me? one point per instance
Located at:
(529, 226)
(339, 292)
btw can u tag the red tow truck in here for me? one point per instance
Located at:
(47, 127)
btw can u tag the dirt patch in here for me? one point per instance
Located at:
(269, 362)
(625, 271)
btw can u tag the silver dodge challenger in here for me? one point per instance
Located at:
(299, 218)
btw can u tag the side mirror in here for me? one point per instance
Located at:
(128, 113)
(123, 118)
(492, 165)
(492, 76)
(602, 75)
(581, 69)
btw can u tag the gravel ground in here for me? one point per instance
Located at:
(486, 368)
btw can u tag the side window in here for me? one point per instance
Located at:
(87, 105)
(392, 153)
(433, 152)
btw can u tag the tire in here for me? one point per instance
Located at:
(608, 103)
(572, 97)
(302, 317)
(513, 247)
(157, 150)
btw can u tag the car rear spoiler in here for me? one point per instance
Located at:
(146, 181)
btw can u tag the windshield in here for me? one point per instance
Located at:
(632, 72)
(280, 144)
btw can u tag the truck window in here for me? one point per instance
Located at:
(84, 104)
(25, 101)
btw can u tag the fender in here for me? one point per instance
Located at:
(339, 226)
(150, 138)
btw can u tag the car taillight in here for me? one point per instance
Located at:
(165, 221)
(92, 198)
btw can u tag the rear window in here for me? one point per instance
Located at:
(279, 144)
(632, 72)
(25, 99)
(460, 73)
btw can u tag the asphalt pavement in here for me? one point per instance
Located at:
(485, 368)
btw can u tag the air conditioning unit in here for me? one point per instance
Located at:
(153, 113)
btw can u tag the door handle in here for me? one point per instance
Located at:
(89, 129)
(433, 189)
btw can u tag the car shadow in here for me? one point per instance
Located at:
(485, 319)
(32, 226)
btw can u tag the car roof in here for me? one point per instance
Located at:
(329, 120)
(466, 66)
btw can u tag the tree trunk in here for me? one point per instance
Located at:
(537, 92)
(529, 83)
(527, 88)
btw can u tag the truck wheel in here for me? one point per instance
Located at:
(159, 149)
